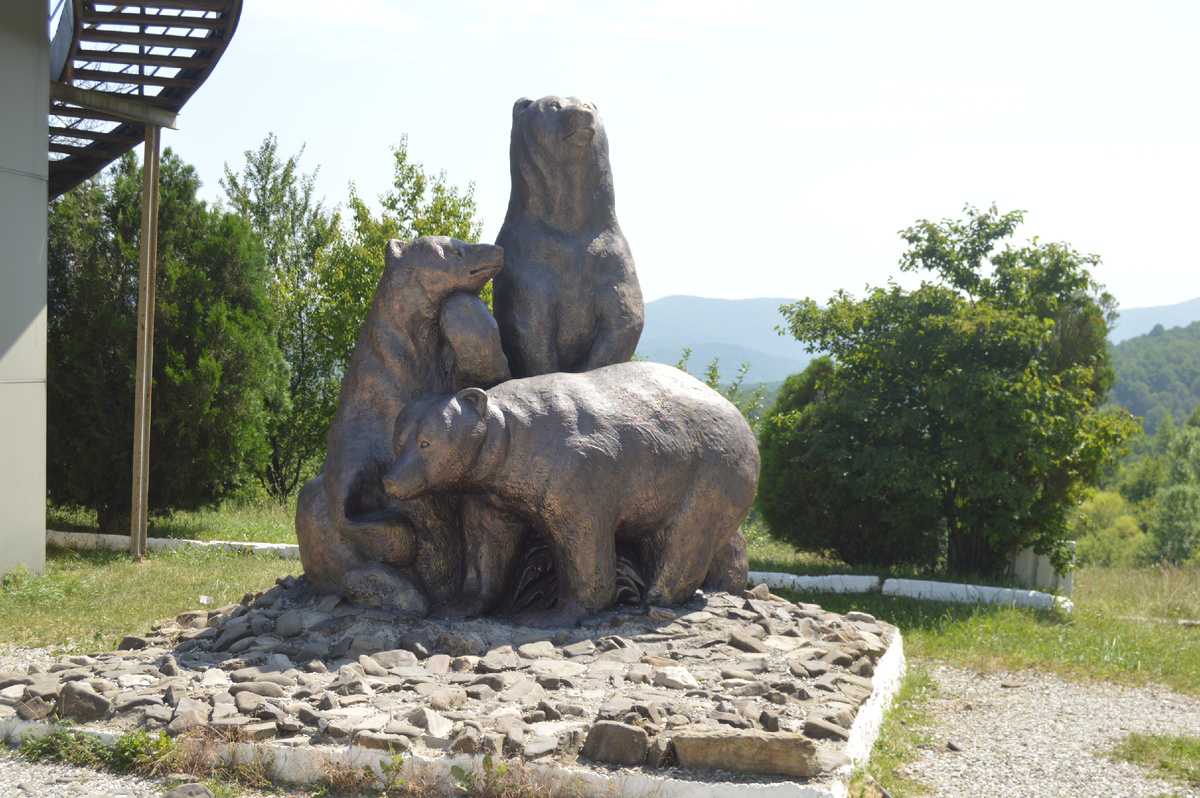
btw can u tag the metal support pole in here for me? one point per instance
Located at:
(145, 344)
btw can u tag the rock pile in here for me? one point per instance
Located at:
(752, 684)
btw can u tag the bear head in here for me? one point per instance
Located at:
(559, 159)
(427, 270)
(437, 442)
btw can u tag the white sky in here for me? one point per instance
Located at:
(759, 148)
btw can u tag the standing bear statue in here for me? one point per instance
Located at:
(568, 298)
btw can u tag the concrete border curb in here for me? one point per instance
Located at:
(917, 588)
(975, 594)
(94, 540)
(835, 583)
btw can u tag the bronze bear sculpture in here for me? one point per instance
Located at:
(568, 298)
(427, 330)
(636, 451)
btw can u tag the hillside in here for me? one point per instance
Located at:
(1140, 321)
(735, 330)
(1157, 372)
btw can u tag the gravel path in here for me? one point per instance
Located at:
(1044, 736)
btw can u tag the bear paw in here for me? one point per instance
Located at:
(379, 585)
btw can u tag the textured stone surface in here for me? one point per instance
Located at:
(628, 681)
(616, 743)
(81, 702)
(752, 751)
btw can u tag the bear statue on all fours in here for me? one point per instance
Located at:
(639, 452)
(568, 298)
(427, 330)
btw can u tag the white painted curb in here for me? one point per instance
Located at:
(94, 540)
(889, 675)
(975, 594)
(916, 588)
(836, 583)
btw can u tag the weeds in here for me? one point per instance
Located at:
(1170, 757)
(340, 779)
(486, 784)
(899, 737)
(136, 752)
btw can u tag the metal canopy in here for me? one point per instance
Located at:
(154, 55)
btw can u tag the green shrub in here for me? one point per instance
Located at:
(1175, 523)
(1108, 534)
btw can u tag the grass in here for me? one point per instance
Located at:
(144, 754)
(898, 740)
(248, 521)
(89, 600)
(1160, 591)
(1169, 757)
(1090, 643)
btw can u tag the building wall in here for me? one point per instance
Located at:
(24, 100)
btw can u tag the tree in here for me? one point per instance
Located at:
(1159, 374)
(968, 404)
(417, 205)
(276, 199)
(216, 366)
(819, 502)
(1175, 522)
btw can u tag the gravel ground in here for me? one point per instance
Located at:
(1044, 736)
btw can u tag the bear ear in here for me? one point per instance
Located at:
(476, 398)
(520, 105)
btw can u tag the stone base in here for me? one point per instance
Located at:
(745, 695)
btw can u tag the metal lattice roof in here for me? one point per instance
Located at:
(154, 54)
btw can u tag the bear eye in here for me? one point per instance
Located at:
(555, 105)
(424, 444)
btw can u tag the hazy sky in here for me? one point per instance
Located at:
(758, 148)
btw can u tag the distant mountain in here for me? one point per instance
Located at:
(1158, 373)
(734, 330)
(743, 331)
(1139, 321)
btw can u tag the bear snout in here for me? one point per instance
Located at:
(402, 484)
(485, 260)
(579, 120)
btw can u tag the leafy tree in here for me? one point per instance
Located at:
(216, 367)
(968, 404)
(276, 199)
(819, 502)
(1175, 523)
(417, 205)
(1107, 532)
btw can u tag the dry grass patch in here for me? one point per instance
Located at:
(1160, 591)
